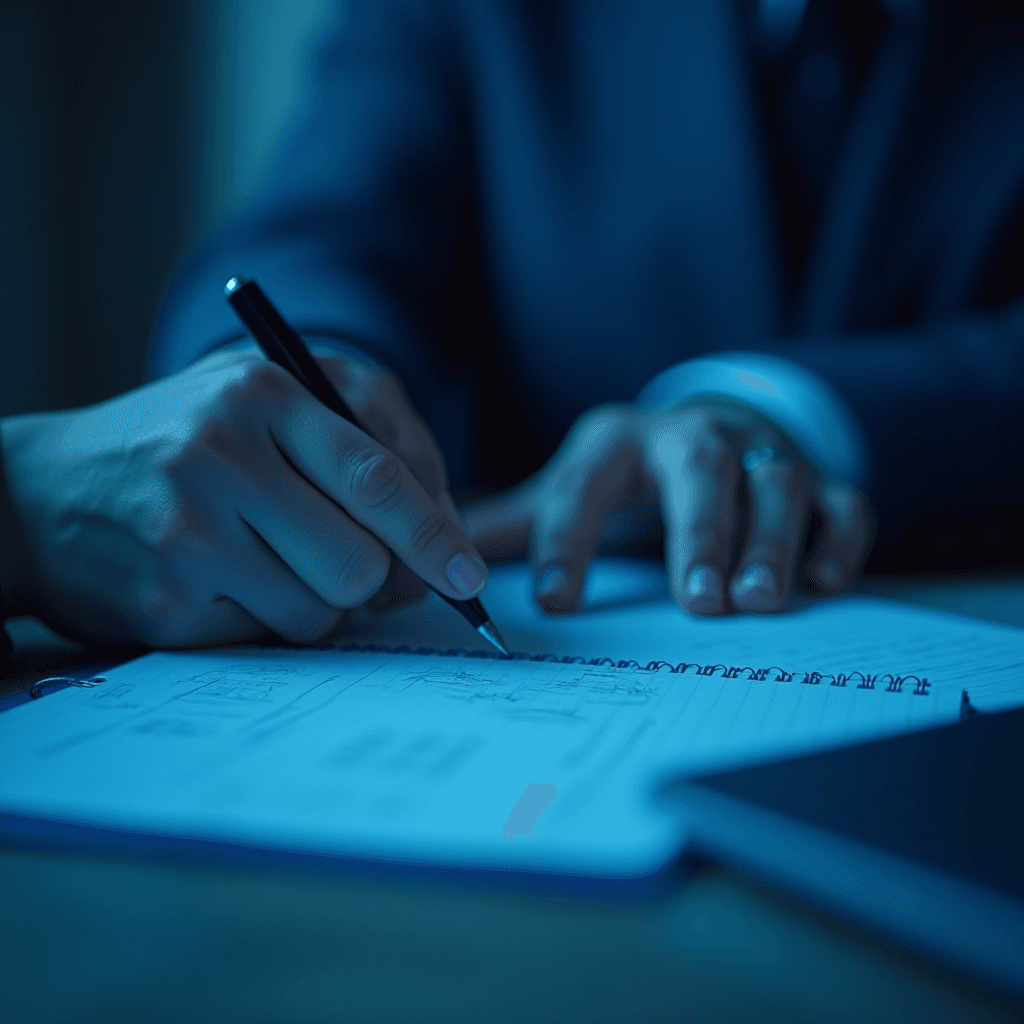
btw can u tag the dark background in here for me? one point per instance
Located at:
(128, 131)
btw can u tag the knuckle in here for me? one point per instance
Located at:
(776, 472)
(427, 531)
(568, 491)
(262, 377)
(781, 477)
(692, 422)
(162, 525)
(375, 477)
(252, 388)
(704, 497)
(848, 511)
(602, 423)
(771, 550)
(383, 428)
(176, 458)
(709, 452)
(238, 386)
(360, 574)
(708, 535)
(372, 387)
(552, 535)
(692, 437)
(208, 438)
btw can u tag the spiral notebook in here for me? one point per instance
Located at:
(450, 758)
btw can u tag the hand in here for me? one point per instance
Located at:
(744, 515)
(225, 501)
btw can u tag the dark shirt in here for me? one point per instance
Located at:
(808, 91)
(5, 650)
(528, 209)
(5, 641)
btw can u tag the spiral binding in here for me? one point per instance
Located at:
(859, 680)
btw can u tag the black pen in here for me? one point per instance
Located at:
(281, 344)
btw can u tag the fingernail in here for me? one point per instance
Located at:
(757, 587)
(704, 589)
(554, 581)
(467, 574)
(828, 573)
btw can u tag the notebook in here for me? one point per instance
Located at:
(405, 744)
(919, 837)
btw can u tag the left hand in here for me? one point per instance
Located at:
(744, 514)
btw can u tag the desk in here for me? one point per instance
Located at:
(92, 939)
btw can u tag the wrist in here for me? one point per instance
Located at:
(805, 407)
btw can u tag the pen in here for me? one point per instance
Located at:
(281, 344)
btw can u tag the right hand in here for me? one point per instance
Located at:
(226, 501)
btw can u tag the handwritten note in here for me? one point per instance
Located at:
(489, 763)
(413, 758)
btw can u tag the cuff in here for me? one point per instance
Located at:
(804, 405)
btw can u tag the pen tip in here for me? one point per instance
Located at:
(490, 633)
(233, 285)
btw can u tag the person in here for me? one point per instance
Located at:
(719, 269)
(712, 271)
(220, 504)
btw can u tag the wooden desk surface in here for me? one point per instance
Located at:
(106, 940)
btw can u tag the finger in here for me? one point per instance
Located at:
(339, 560)
(779, 491)
(843, 540)
(227, 622)
(384, 410)
(380, 492)
(697, 470)
(416, 447)
(170, 617)
(261, 583)
(591, 473)
(401, 587)
(500, 526)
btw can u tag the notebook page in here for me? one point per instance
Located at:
(420, 758)
(631, 616)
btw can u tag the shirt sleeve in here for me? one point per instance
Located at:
(803, 404)
(353, 230)
(937, 407)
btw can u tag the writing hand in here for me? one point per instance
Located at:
(743, 513)
(215, 504)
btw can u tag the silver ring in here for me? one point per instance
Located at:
(754, 458)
